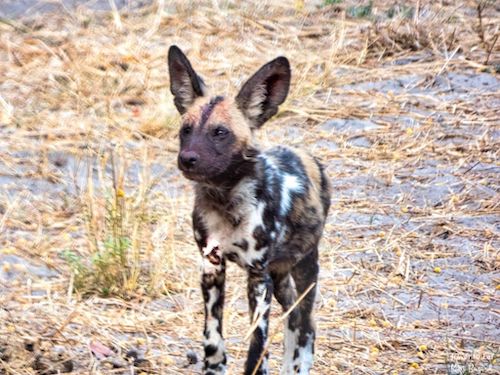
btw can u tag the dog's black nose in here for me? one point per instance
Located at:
(188, 159)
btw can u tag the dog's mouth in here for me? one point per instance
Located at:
(194, 176)
(200, 174)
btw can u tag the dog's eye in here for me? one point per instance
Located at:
(186, 130)
(220, 131)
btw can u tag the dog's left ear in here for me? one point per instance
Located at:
(185, 84)
(261, 95)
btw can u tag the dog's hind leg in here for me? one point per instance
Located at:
(305, 274)
(285, 293)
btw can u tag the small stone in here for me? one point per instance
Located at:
(4, 354)
(360, 141)
(29, 346)
(67, 366)
(40, 365)
(191, 357)
(132, 354)
(137, 358)
(142, 363)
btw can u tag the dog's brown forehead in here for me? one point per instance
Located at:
(206, 110)
(209, 112)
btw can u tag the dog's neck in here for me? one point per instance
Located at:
(227, 195)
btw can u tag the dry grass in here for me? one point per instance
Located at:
(410, 257)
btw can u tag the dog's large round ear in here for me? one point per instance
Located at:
(185, 84)
(261, 95)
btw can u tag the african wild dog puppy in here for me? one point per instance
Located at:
(264, 210)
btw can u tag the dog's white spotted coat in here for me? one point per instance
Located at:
(214, 338)
(306, 356)
(291, 339)
(291, 184)
(224, 235)
(264, 210)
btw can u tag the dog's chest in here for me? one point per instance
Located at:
(237, 231)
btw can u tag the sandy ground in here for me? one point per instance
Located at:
(403, 111)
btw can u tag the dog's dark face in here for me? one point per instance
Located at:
(213, 139)
(216, 132)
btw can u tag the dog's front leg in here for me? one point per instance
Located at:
(212, 284)
(260, 291)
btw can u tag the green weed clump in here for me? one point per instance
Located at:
(331, 2)
(123, 257)
(403, 11)
(361, 11)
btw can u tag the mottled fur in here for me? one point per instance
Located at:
(264, 210)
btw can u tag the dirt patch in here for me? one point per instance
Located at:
(410, 275)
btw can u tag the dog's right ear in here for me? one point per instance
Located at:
(185, 84)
